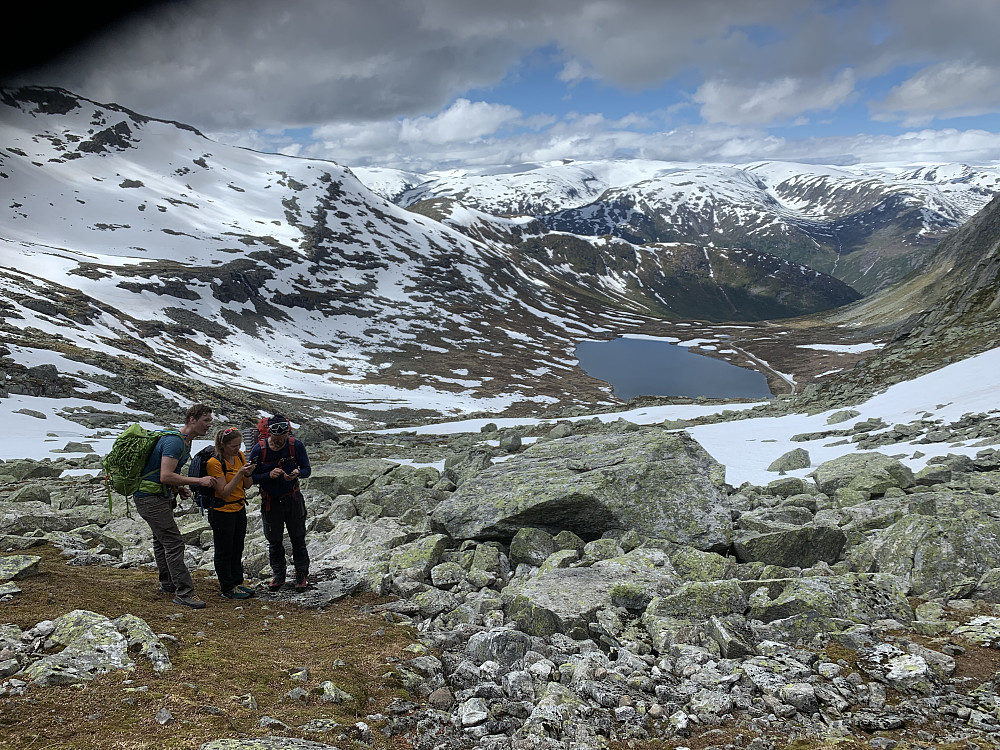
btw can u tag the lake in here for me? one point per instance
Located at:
(639, 367)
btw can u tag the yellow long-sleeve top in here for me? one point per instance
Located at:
(235, 500)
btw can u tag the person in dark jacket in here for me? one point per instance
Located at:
(281, 461)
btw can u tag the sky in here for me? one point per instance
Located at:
(439, 84)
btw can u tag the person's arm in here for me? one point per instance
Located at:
(302, 460)
(169, 476)
(259, 473)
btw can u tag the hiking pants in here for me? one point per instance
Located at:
(229, 532)
(285, 513)
(168, 546)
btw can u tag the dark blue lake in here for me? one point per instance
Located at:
(636, 367)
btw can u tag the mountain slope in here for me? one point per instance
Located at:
(200, 263)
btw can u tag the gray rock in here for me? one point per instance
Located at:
(348, 477)
(801, 548)
(660, 484)
(93, 646)
(868, 472)
(16, 567)
(856, 597)
(502, 645)
(31, 493)
(531, 546)
(932, 552)
(265, 743)
(566, 600)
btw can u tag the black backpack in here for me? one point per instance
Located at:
(204, 497)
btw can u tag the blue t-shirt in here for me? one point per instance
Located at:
(172, 446)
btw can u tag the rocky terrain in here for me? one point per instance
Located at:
(592, 583)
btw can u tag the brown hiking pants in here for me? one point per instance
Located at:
(168, 545)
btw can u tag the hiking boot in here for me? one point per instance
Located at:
(301, 581)
(246, 589)
(276, 584)
(237, 593)
(190, 601)
(166, 589)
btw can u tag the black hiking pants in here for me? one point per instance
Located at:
(286, 513)
(229, 532)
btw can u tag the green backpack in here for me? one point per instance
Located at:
(124, 464)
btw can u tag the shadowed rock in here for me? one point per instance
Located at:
(660, 484)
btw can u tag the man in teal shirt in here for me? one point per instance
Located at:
(155, 502)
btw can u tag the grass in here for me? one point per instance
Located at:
(227, 650)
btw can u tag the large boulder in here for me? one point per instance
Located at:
(792, 548)
(93, 646)
(26, 517)
(867, 472)
(660, 484)
(859, 598)
(347, 477)
(566, 600)
(933, 552)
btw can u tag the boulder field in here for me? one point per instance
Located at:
(598, 585)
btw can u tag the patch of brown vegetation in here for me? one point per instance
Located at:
(228, 649)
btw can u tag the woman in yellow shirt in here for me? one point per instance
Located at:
(230, 474)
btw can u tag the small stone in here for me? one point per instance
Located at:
(441, 699)
(164, 717)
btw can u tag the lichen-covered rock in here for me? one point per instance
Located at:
(695, 565)
(359, 545)
(860, 598)
(700, 600)
(32, 493)
(93, 646)
(16, 567)
(802, 547)
(421, 555)
(868, 472)
(531, 546)
(140, 637)
(348, 477)
(660, 484)
(566, 600)
(502, 645)
(794, 459)
(265, 743)
(29, 516)
(907, 673)
(982, 630)
(932, 552)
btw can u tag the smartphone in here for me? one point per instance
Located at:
(288, 465)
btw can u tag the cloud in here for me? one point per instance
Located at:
(462, 121)
(942, 91)
(772, 101)
(596, 137)
(224, 64)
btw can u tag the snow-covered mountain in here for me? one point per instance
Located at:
(143, 260)
(867, 225)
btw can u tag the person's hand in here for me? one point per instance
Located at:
(184, 493)
(247, 469)
(205, 481)
(276, 473)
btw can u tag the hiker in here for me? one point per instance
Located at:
(155, 501)
(281, 461)
(230, 472)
